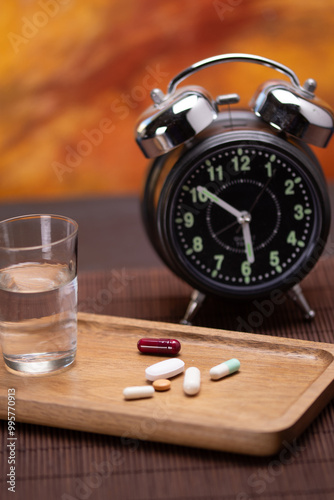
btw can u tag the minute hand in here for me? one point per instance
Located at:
(248, 242)
(221, 203)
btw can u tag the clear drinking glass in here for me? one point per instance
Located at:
(38, 292)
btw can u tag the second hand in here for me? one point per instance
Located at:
(259, 195)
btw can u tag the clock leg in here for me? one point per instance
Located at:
(196, 300)
(297, 296)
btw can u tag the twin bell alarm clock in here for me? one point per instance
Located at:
(235, 202)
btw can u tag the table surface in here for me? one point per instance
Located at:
(119, 274)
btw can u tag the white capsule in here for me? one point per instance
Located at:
(138, 392)
(164, 369)
(192, 381)
(224, 369)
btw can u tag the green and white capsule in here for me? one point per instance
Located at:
(224, 369)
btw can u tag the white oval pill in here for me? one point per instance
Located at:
(164, 369)
(224, 369)
(192, 381)
(138, 392)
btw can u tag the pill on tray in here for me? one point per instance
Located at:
(159, 346)
(192, 381)
(162, 384)
(224, 369)
(138, 392)
(165, 369)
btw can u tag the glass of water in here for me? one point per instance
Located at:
(38, 292)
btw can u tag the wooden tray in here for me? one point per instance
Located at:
(281, 386)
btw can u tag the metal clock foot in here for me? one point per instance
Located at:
(296, 294)
(196, 300)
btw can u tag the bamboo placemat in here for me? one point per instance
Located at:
(60, 464)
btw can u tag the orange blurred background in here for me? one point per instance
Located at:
(75, 75)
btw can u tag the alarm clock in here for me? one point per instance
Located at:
(235, 202)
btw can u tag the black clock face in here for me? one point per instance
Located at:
(243, 218)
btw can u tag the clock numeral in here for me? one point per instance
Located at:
(219, 259)
(215, 173)
(299, 212)
(289, 185)
(292, 238)
(197, 244)
(188, 219)
(274, 260)
(246, 271)
(241, 163)
(198, 196)
(268, 165)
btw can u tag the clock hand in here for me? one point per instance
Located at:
(247, 238)
(242, 217)
(262, 191)
(218, 233)
(260, 194)
(248, 242)
(221, 203)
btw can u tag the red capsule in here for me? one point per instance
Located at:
(166, 347)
